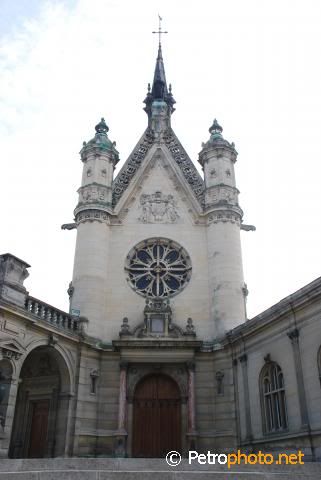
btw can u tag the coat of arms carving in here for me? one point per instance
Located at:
(158, 208)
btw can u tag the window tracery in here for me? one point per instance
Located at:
(158, 267)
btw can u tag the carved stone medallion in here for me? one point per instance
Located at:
(158, 208)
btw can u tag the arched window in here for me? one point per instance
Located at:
(273, 398)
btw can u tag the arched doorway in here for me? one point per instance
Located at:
(156, 417)
(41, 414)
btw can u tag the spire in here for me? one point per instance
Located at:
(159, 91)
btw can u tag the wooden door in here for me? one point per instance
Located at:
(157, 417)
(39, 429)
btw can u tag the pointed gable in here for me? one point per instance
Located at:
(177, 153)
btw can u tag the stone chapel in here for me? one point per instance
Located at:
(156, 352)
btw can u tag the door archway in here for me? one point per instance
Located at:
(156, 417)
(41, 413)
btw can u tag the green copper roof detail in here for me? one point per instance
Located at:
(101, 141)
(101, 127)
(216, 128)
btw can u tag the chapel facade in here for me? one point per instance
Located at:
(156, 352)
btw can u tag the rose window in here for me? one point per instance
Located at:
(158, 267)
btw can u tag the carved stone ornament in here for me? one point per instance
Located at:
(10, 350)
(267, 358)
(68, 226)
(224, 217)
(125, 175)
(185, 164)
(221, 195)
(190, 329)
(125, 328)
(179, 155)
(70, 290)
(93, 194)
(92, 215)
(157, 323)
(158, 208)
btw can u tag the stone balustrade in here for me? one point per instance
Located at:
(52, 315)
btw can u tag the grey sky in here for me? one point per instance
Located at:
(253, 65)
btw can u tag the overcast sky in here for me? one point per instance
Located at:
(254, 65)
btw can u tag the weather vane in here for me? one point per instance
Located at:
(160, 29)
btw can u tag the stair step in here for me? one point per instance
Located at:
(147, 469)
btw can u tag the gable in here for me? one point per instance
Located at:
(159, 193)
(178, 156)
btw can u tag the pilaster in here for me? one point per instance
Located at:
(248, 422)
(294, 336)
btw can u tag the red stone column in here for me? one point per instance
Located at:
(120, 448)
(122, 398)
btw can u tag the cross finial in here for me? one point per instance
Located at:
(160, 29)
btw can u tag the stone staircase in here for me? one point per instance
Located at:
(147, 469)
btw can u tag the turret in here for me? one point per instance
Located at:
(224, 217)
(90, 276)
(99, 157)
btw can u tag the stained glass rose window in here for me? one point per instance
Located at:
(158, 267)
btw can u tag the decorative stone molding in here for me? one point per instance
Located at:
(157, 319)
(224, 217)
(125, 175)
(92, 215)
(185, 164)
(10, 350)
(9, 354)
(158, 208)
(221, 194)
(93, 193)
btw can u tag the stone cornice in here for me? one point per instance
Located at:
(157, 344)
(91, 214)
(299, 299)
